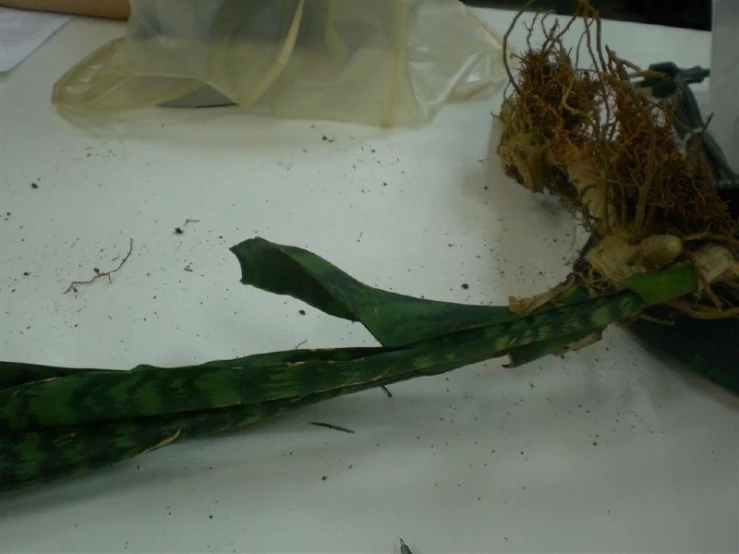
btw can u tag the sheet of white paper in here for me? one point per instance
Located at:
(22, 32)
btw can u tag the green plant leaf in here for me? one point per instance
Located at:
(36, 454)
(553, 347)
(152, 391)
(43, 455)
(393, 319)
(667, 285)
(58, 422)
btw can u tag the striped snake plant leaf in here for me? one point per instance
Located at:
(552, 347)
(44, 455)
(44, 449)
(57, 422)
(393, 319)
(149, 391)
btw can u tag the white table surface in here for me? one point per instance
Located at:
(608, 450)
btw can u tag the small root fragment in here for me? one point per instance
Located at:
(74, 286)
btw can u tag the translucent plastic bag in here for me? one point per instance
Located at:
(380, 62)
(725, 78)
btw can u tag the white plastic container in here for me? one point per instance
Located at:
(724, 83)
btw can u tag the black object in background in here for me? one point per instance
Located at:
(708, 347)
(687, 14)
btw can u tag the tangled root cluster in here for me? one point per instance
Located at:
(611, 154)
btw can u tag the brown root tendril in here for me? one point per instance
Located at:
(610, 153)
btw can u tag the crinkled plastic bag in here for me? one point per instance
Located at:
(380, 62)
(724, 80)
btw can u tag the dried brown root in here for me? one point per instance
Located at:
(75, 285)
(611, 154)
